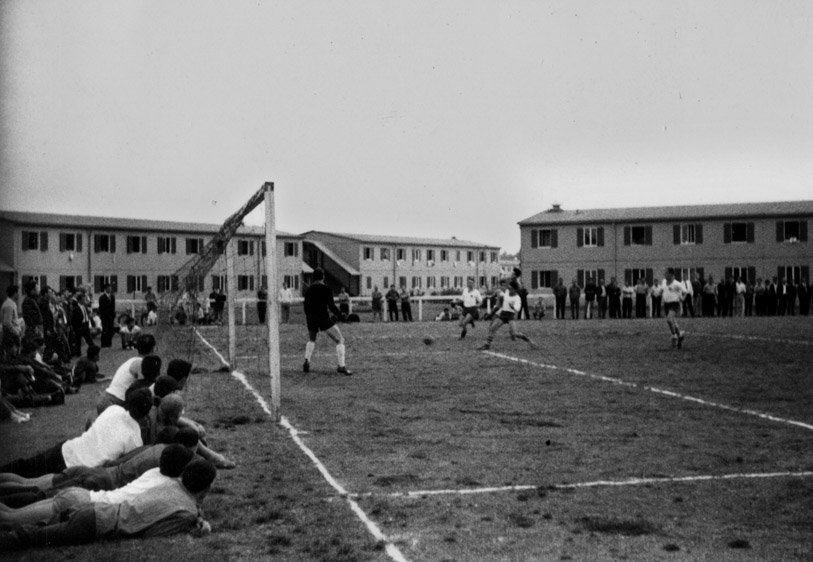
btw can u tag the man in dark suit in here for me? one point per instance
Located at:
(781, 297)
(80, 323)
(107, 313)
(770, 298)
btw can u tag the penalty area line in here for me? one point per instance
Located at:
(594, 484)
(656, 390)
(390, 548)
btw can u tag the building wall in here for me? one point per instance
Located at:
(765, 254)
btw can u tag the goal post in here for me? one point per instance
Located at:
(272, 319)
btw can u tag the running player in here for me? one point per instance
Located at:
(472, 299)
(506, 314)
(673, 294)
(318, 306)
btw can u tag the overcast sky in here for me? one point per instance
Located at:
(439, 118)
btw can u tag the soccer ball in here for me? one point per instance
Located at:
(428, 340)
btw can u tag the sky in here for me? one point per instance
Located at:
(421, 118)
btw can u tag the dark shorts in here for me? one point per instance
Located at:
(472, 311)
(507, 317)
(671, 306)
(320, 325)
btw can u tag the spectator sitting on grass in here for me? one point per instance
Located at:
(112, 434)
(86, 370)
(443, 316)
(129, 332)
(170, 508)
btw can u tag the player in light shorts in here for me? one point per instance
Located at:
(673, 294)
(471, 307)
(506, 314)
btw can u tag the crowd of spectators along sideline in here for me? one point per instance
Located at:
(138, 467)
(704, 297)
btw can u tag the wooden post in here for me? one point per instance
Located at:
(272, 320)
(231, 291)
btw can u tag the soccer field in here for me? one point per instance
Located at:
(603, 443)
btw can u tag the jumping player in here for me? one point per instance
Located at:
(673, 294)
(471, 307)
(318, 306)
(506, 314)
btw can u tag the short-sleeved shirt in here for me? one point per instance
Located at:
(125, 376)
(112, 434)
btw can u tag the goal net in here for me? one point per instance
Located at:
(220, 310)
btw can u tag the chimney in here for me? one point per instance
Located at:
(556, 208)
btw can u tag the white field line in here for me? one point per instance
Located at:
(595, 484)
(752, 338)
(374, 530)
(655, 390)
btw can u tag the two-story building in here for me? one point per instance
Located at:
(360, 262)
(749, 240)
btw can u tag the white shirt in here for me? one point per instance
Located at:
(510, 303)
(687, 286)
(471, 298)
(672, 292)
(150, 479)
(740, 288)
(113, 433)
(125, 376)
(286, 296)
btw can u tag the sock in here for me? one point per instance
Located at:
(340, 350)
(309, 347)
(463, 333)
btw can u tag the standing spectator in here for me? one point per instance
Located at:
(804, 298)
(614, 292)
(262, 304)
(790, 289)
(722, 298)
(344, 302)
(574, 293)
(771, 298)
(377, 303)
(709, 297)
(524, 311)
(627, 292)
(286, 298)
(697, 293)
(31, 311)
(46, 306)
(656, 296)
(759, 297)
(781, 297)
(11, 322)
(641, 293)
(730, 293)
(220, 304)
(688, 302)
(150, 304)
(601, 293)
(749, 298)
(560, 294)
(392, 303)
(590, 290)
(406, 307)
(107, 312)
(739, 297)
(80, 323)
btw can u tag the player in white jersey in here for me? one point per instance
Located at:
(673, 294)
(506, 314)
(472, 299)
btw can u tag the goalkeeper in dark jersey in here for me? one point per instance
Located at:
(318, 306)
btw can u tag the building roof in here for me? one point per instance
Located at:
(405, 240)
(332, 255)
(681, 212)
(113, 223)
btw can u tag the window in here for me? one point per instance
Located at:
(99, 281)
(402, 282)
(291, 249)
(494, 281)
(167, 245)
(218, 282)
(686, 273)
(585, 275)
(245, 282)
(104, 243)
(167, 283)
(416, 255)
(136, 283)
(430, 282)
(444, 282)
(688, 234)
(444, 255)
(40, 280)
(745, 273)
(136, 245)
(544, 238)
(369, 282)
(430, 256)
(416, 282)
(35, 241)
(69, 282)
(70, 242)
(590, 237)
(368, 254)
(457, 255)
(470, 257)
(385, 254)
(793, 273)
(482, 256)
(791, 231)
(544, 279)
(494, 257)
(246, 248)
(292, 281)
(458, 282)
(637, 236)
(400, 254)
(631, 276)
(738, 232)
(194, 246)
(483, 281)
(386, 282)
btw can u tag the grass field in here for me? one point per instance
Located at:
(604, 443)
